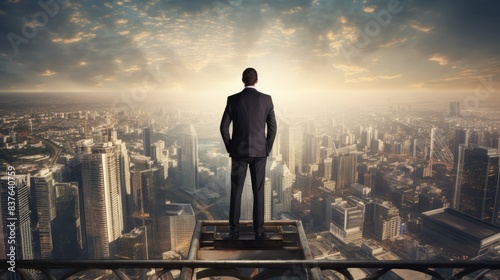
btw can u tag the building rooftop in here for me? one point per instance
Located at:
(466, 224)
(176, 209)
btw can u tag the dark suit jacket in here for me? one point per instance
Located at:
(250, 111)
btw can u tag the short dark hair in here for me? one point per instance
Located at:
(249, 77)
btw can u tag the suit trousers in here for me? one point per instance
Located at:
(238, 173)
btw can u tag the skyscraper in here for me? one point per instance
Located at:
(67, 227)
(455, 109)
(147, 140)
(44, 193)
(344, 170)
(189, 159)
(291, 145)
(287, 145)
(281, 180)
(157, 151)
(123, 169)
(326, 168)
(311, 149)
(477, 190)
(102, 199)
(20, 218)
(462, 136)
(268, 200)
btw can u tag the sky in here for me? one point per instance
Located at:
(197, 48)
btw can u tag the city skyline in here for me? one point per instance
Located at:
(387, 113)
(190, 49)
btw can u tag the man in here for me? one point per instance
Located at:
(250, 111)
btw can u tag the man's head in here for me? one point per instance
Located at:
(249, 77)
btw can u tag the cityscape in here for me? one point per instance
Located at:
(387, 145)
(386, 181)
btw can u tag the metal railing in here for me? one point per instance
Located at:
(240, 269)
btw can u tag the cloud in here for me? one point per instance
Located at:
(111, 44)
(439, 58)
(48, 73)
(389, 77)
(350, 69)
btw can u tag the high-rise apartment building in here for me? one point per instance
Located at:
(477, 190)
(17, 221)
(189, 159)
(102, 199)
(44, 193)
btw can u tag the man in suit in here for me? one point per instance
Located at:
(249, 145)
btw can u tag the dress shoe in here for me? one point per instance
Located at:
(260, 235)
(232, 235)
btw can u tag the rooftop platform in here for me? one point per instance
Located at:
(284, 240)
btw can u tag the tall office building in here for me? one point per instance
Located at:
(147, 140)
(189, 159)
(311, 149)
(462, 136)
(44, 193)
(477, 190)
(123, 168)
(477, 138)
(345, 219)
(318, 210)
(268, 200)
(67, 227)
(326, 168)
(414, 148)
(297, 130)
(157, 151)
(102, 199)
(455, 109)
(344, 170)
(150, 182)
(20, 218)
(366, 136)
(281, 180)
(176, 222)
(287, 145)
